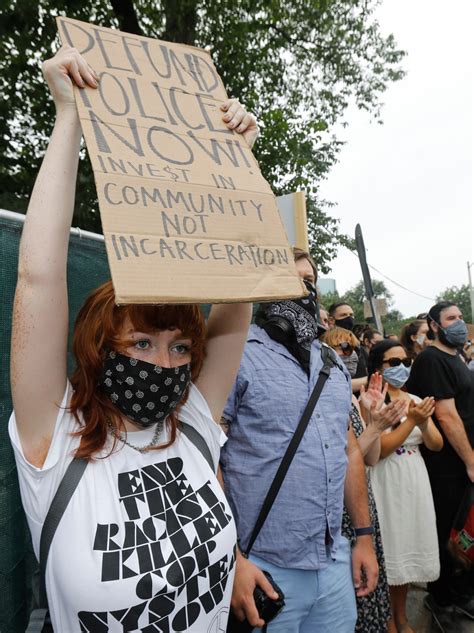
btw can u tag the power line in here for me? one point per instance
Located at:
(413, 292)
(377, 270)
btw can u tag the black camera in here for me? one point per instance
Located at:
(266, 607)
(280, 329)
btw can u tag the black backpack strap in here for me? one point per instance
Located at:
(326, 352)
(61, 499)
(328, 362)
(199, 442)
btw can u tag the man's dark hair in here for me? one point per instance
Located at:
(434, 314)
(369, 334)
(377, 353)
(359, 329)
(333, 307)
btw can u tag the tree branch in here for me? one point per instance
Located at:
(181, 21)
(127, 17)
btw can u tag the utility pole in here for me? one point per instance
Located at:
(369, 292)
(471, 290)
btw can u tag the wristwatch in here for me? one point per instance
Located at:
(364, 531)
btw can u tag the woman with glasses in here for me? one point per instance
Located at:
(373, 611)
(401, 486)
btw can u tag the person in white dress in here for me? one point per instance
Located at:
(147, 541)
(401, 486)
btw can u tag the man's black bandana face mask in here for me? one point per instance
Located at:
(294, 323)
(143, 392)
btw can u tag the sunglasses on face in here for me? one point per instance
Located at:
(346, 348)
(395, 362)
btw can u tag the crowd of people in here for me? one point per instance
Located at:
(165, 536)
(424, 462)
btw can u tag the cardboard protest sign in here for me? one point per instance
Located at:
(292, 209)
(380, 308)
(186, 213)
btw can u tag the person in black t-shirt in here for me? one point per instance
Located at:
(439, 372)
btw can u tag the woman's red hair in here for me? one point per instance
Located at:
(99, 328)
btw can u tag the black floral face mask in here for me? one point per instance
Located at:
(143, 392)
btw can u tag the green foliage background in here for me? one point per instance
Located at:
(297, 65)
(392, 322)
(461, 297)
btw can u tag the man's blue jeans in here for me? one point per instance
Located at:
(316, 601)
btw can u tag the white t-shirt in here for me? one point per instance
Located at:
(147, 540)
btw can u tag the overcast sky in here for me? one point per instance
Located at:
(408, 182)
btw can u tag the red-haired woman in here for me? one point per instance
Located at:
(147, 540)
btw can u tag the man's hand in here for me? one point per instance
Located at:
(365, 569)
(247, 577)
(364, 563)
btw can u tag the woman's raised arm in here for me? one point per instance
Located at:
(228, 324)
(40, 314)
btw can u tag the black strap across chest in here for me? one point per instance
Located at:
(71, 478)
(328, 362)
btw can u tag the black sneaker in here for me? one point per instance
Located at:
(465, 606)
(444, 618)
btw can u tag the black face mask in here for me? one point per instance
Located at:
(347, 323)
(143, 392)
(293, 323)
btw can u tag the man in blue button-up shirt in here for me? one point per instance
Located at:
(300, 543)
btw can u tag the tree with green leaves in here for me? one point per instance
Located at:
(392, 322)
(297, 65)
(461, 297)
(355, 297)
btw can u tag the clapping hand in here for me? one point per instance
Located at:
(421, 412)
(372, 401)
(375, 393)
(382, 417)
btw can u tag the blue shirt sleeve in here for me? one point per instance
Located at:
(233, 401)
